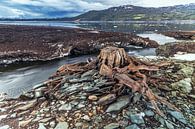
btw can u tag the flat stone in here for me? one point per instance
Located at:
(5, 127)
(178, 116)
(112, 126)
(41, 126)
(119, 104)
(65, 107)
(134, 126)
(62, 125)
(137, 118)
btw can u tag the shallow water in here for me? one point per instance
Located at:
(14, 82)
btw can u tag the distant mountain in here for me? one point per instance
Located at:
(130, 12)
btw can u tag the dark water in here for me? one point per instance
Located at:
(14, 82)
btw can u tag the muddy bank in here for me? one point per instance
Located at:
(180, 35)
(32, 43)
(170, 49)
(84, 95)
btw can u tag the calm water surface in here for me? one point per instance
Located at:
(14, 82)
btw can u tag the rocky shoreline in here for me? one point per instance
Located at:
(170, 49)
(180, 35)
(85, 96)
(33, 43)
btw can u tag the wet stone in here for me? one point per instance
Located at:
(119, 104)
(112, 126)
(134, 126)
(137, 118)
(149, 113)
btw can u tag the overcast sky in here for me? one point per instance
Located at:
(67, 8)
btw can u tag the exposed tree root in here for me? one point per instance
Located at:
(115, 64)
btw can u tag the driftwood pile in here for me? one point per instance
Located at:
(128, 72)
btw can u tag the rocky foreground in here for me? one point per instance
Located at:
(108, 93)
(31, 43)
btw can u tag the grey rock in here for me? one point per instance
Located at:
(119, 104)
(178, 116)
(41, 126)
(169, 125)
(149, 113)
(62, 125)
(65, 107)
(134, 126)
(112, 126)
(137, 118)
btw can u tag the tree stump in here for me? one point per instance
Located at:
(115, 63)
(111, 57)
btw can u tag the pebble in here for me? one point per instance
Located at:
(112, 126)
(149, 113)
(86, 117)
(137, 119)
(92, 97)
(65, 107)
(62, 125)
(52, 124)
(41, 126)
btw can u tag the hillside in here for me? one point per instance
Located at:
(129, 12)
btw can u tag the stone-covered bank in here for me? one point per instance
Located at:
(88, 100)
